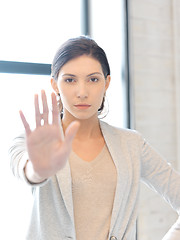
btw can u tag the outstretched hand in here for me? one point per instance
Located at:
(48, 147)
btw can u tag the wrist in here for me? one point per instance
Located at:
(30, 174)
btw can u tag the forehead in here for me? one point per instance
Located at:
(82, 64)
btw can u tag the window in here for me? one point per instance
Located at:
(32, 31)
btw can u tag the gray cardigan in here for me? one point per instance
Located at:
(135, 160)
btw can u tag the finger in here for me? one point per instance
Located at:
(25, 123)
(55, 110)
(37, 111)
(45, 107)
(71, 132)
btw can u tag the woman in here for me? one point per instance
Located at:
(86, 174)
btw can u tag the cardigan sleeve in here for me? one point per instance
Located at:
(18, 159)
(174, 232)
(159, 175)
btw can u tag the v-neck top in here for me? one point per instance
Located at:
(93, 190)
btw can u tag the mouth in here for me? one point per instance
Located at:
(82, 106)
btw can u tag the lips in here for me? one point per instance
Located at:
(82, 106)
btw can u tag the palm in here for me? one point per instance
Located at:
(47, 146)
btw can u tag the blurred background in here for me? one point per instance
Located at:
(142, 42)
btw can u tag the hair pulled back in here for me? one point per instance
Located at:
(76, 47)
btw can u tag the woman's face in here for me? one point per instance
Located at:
(82, 85)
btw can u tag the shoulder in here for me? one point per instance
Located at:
(122, 132)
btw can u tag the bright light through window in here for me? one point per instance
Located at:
(31, 31)
(108, 33)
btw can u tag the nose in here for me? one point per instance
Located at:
(82, 91)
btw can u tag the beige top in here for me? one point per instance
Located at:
(93, 188)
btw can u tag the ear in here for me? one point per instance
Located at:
(108, 79)
(54, 85)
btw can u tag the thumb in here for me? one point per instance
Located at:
(71, 132)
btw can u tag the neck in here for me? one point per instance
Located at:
(89, 128)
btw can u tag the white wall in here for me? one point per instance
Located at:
(155, 61)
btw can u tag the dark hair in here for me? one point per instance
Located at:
(76, 47)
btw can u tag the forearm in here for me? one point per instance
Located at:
(18, 155)
(30, 174)
(19, 163)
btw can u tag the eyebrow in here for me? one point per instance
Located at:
(72, 75)
(94, 74)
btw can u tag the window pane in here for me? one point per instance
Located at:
(31, 31)
(107, 30)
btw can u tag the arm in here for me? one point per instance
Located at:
(44, 151)
(174, 232)
(160, 176)
(19, 163)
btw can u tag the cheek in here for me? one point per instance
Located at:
(100, 93)
(66, 97)
(62, 90)
(98, 98)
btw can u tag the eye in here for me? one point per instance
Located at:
(69, 80)
(94, 79)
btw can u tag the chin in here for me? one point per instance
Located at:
(82, 115)
(85, 116)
